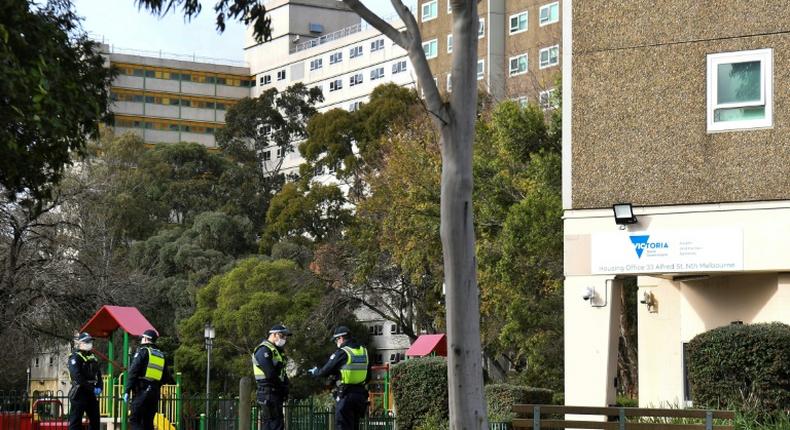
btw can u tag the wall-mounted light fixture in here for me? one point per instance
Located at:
(596, 300)
(624, 214)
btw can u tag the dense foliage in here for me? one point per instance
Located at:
(745, 367)
(500, 399)
(420, 389)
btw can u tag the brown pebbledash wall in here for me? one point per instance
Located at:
(639, 130)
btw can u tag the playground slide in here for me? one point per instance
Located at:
(161, 423)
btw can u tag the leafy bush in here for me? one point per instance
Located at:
(744, 367)
(500, 399)
(420, 389)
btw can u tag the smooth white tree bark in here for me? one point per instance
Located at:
(456, 124)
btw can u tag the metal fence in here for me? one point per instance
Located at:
(20, 411)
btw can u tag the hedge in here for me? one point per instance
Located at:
(500, 399)
(743, 367)
(419, 387)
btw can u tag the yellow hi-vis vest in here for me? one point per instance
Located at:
(355, 371)
(156, 365)
(277, 359)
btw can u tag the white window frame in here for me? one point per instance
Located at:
(450, 43)
(548, 6)
(335, 85)
(354, 106)
(516, 72)
(377, 45)
(449, 84)
(316, 64)
(281, 75)
(547, 105)
(396, 67)
(523, 101)
(355, 51)
(449, 6)
(433, 4)
(356, 79)
(266, 79)
(481, 75)
(376, 73)
(526, 20)
(435, 51)
(280, 152)
(765, 57)
(336, 57)
(549, 64)
(481, 28)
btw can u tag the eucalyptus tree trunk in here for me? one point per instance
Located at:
(456, 124)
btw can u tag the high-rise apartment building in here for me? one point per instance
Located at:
(322, 43)
(518, 46)
(167, 101)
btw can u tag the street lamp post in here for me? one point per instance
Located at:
(208, 335)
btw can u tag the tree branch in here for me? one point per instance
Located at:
(400, 38)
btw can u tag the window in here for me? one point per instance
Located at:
(281, 75)
(449, 43)
(51, 360)
(395, 329)
(335, 57)
(449, 85)
(376, 330)
(335, 85)
(376, 45)
(355, 52)
(36, 365)
(280, 152)
(481, 29)
(449, 6)
(267, 155)
(316, 64)
(519, 22)
(550, 13)
(740, 92)
(354, 106)
(523, 101)
(481, 69)
(355, 80)
(549, 56)
(265, 79)
(377, 73)
(431, 48)
(398, 67)
(546, 99)
(429, 10)
(378, 359)
(518, 65)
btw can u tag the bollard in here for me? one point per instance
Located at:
(245, 406)
(202, 422)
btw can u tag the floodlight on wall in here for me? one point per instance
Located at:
(624, 214)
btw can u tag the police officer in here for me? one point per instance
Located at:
(144, 381)
(86, 384)
(351, 367)
(268, 366)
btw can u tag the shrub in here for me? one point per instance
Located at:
(500, 399)
(419, 387)
(744, 367)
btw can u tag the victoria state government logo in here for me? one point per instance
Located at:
(641, 243)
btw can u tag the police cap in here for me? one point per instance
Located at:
(151, 335)
(279, 328)
(84, 337)
(340, 331)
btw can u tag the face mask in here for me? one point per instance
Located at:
(280, 342)
(83, 346)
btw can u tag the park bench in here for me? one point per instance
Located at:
(538, 417)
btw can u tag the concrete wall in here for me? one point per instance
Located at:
(639, 130)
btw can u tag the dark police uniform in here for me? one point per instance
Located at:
(268, 365)
(85, 378)
(350, 366)
(145, 377)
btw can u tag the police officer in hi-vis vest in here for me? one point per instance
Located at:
(268, 366)
(350, 366)
(144, 381)
(86, 384)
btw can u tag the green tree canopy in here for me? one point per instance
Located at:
(47, 63)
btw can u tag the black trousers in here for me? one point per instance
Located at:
(144, 407)
(84, 403)
(271, 412)
(350, 409)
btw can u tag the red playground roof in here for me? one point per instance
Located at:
(111, 318)
(427, 344)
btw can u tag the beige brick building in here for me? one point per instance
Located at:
(518, 47)
(679, 108)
